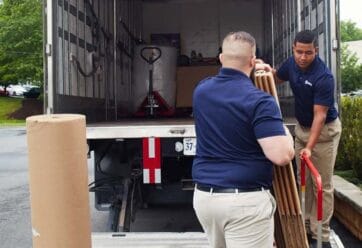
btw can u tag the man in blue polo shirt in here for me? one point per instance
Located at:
(240, 135)
(318, 129)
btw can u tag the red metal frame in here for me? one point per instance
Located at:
(163, 109)
(306, 161)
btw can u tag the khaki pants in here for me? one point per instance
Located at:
(323, 157)
(235, 220)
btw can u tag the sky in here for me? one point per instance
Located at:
(351, 10)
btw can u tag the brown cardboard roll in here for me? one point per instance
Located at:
(58, 180)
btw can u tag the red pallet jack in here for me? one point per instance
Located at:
(154, 104)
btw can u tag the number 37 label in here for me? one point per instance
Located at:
(190, 146)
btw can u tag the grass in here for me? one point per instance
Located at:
(350, 177)
(7, 106)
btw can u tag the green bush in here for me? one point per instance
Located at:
(350, 147)
(351, 71)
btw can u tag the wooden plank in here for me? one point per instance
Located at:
(287, 184)
(289, 224)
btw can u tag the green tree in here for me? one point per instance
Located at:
(350, 31)
(351, 71)
(21, 41)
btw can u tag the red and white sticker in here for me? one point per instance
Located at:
(151, 160)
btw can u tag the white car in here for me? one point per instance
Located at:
(15, 90)
(357, 93)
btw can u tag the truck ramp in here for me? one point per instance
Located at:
(165, 240)
(150, 240)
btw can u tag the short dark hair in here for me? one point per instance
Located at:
(306, 37)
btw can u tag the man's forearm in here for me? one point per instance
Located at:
(315, 131)
(276, 78)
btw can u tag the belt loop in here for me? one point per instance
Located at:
(262, 189)
(237, 191)
(211, 190)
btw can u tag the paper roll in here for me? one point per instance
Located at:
(58, 180)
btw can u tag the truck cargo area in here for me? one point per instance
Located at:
(95, 66)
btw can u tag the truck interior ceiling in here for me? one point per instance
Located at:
(143, 58)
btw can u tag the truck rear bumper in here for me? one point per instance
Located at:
(141, 128)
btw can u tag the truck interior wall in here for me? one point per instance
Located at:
(268, 33)
(85, 41)
(75, 38)
(202, 24)
(285, 25)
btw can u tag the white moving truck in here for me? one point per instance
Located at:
(130, 66)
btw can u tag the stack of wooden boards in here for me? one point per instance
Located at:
(289, 224)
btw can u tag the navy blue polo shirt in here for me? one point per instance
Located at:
(230, 115)
(312, 87)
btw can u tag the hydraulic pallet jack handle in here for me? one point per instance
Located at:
(305, 161)
(153, 53)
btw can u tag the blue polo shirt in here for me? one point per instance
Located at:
(312, 87)
(230, 115)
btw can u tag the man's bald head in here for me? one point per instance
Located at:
(238, 46)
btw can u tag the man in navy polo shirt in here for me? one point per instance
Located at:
(318, 129)
(240, 135)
